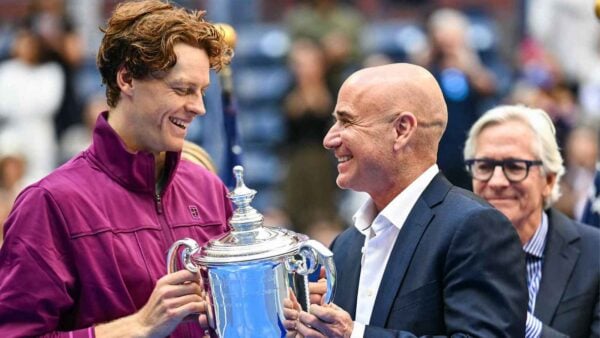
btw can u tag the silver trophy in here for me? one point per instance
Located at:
(249, 272)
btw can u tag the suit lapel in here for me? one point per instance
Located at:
(561, 253)
(349, 257)
(404, 248)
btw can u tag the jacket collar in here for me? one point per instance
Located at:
(560, 256)
(409, 237)
(134, 171)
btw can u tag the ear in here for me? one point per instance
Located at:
(405, 126)
(125, 81)
(550, 182)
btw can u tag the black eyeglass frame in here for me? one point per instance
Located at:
(528, 164)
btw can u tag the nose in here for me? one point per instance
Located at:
(332, 138)
(498, 178)
(195, 105)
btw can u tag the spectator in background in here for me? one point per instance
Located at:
(569, 30)
(591, 210)
(12, 170)
(196, 154)
(581, 156)
(335, 26)
(30, 94)
(63, 45)
(465, 81)
(516, 165)
(541, 83)
(310, 191)
(78, 136)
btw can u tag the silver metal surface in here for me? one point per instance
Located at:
(250, 271)
(247, 299)
(190, 249)
(323, 256)
(249, 240)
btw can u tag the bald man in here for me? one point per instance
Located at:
(423, 256)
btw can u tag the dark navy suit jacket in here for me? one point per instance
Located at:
(568, 301)
(456, 269)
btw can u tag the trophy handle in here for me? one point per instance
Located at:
(314, 252)
(191, 248)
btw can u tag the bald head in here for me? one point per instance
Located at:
(403, 87)
(389, 121)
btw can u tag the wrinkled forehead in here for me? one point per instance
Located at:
(365, 99)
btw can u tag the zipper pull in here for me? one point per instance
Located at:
(158, 203)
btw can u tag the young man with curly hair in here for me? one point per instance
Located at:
(84, 250)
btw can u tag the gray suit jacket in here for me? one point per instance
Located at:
(568, 301)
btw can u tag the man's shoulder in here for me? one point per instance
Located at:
(571, 229)
(588, 234)
(459, 202)
(62, 187)
(462, 212)
(440, 192)
(71, 177)
(572, 238)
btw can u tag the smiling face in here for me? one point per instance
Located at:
(362, 140)
(389, 120)
(521, 202)
(156, 112)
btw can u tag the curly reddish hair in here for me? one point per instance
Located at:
(140, 36)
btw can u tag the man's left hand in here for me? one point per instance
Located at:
(325, 321)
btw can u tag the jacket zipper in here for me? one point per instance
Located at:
(162, 220)
(158, 203)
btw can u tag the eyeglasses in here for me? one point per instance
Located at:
(514, 170)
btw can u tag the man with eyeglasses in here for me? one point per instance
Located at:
(514, 160)
(422, 257)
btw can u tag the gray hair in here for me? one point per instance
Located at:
(543, 130)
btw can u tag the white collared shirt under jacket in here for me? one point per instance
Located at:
(381, 231)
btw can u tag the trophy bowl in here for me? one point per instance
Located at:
(249, 272)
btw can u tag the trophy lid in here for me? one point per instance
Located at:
(248, 240)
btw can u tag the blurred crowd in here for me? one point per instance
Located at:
(541, 53)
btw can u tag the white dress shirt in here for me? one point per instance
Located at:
(381, 231)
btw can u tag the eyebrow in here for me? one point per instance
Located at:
(341, 114)
(180, 82)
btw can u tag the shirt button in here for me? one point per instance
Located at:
(370, 293)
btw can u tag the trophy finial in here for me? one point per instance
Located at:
(245, 217)
(241, 195)
(238, 172)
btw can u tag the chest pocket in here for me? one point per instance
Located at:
(199, 220)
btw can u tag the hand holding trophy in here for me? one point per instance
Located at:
(248, 273)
